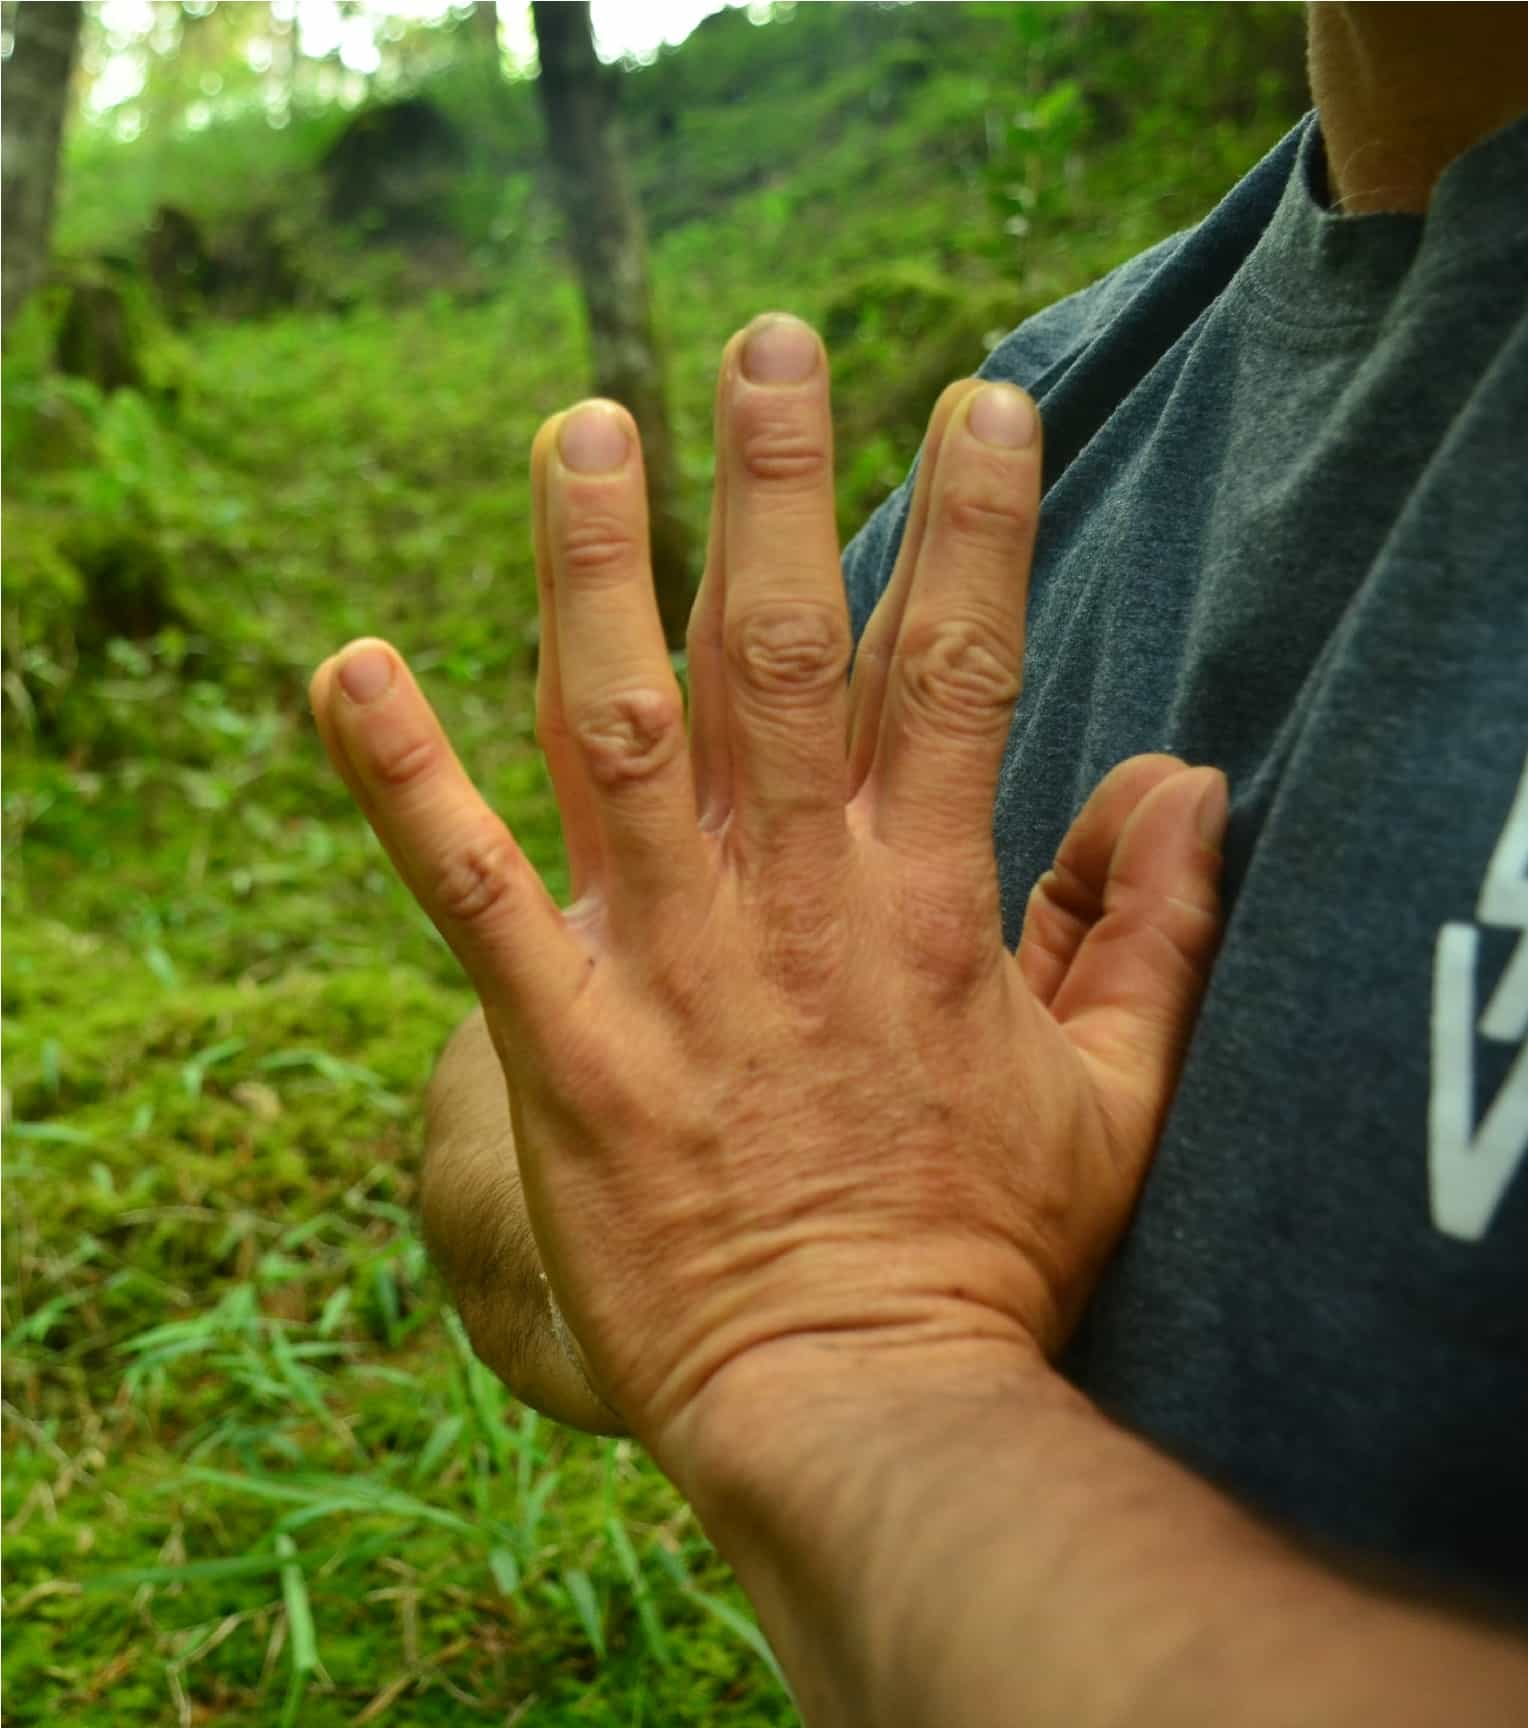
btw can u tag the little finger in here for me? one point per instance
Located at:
(458, 859)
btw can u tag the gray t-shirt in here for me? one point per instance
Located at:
(1285, 531)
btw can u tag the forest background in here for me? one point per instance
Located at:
(308, 300)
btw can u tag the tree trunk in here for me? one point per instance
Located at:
(604, 225)
(34, 103)
(483, 23)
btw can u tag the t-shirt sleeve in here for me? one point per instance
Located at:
(1034, 356)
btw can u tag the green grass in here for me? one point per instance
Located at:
(253, 1475)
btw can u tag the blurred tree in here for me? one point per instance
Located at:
(483, 24)
(34, 103)
(605, 235)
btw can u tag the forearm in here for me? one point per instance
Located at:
(984, 1548)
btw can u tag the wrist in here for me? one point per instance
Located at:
(801, 1409)
(829, 1476)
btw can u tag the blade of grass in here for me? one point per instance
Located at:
(586, 1606)
(194, 1571)
(441, 1444)
(742, 1627)
(647, 1614)
(525, 1443)
(50, 1133)
(336, 1306)
(302, 1639)
(505, 1569)
(321, 1495)
(194, 1072)
(533, 1505)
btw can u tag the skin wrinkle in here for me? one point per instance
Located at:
(630, 736)
(597, 546)
(787, 649)
(775, 445)
(957, 675)
(475, 882)
(779, 458)
(413, 760)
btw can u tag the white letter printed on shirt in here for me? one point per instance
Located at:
(1469, 1166)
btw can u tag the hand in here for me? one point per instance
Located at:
(472, 1212)
(777, 1084)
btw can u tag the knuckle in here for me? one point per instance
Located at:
(599, 542)
(1070, 893)
(994, 517)
(1180, 930)
(950, 932)
(781, 446)
(805, 948)
(783, 649)
(631, 736)
(475, 878)
(404, 762)
(1052, 928)
(965, 672)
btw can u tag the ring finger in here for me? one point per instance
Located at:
(619, 695)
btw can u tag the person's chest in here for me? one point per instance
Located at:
(1323, 1301)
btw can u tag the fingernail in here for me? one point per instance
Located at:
(1213, 809)
(593, 439)
(365, 673)
(782, 350)
(1002, 416)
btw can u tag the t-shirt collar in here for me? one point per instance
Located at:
(1324, 268)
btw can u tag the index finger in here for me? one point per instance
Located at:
(959, 657)
(872, 659)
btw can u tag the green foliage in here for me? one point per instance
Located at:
(253, 1473)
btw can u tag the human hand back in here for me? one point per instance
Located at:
(778, 1085)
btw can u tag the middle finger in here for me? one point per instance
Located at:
(786, 625)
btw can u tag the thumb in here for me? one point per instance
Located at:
(1130, 996)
